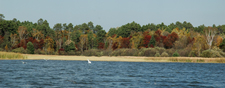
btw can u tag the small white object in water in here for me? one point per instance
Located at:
(45, 59)
(23, 62)
(89, 61)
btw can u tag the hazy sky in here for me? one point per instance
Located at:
(115, 13)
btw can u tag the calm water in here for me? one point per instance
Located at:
(48, 74)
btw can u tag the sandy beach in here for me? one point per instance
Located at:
(126, 58)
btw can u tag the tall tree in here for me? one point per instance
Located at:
(97, 28)
(210, 32)
(90, 39)
(2, 17)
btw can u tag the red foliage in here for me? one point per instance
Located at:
(158, 36)
(61, 49)
(115, 45)
(35, 43)
(151, 46)
(23, 44)
(158, 32)
(146, 40)
(41, 44)
(29, 40)
(125, 43)
(170, 39)
(189, 40)
(113, 35)
(145, 33)
(1, 39)
(101, 45)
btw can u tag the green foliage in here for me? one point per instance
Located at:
(152, 41)
(70, 47)
(75, 37)
(90, 39)
(30, 48)
(222, 45)
(125, 30)
(164, 54)
(100, 36)
(112, 31)
(176, 54)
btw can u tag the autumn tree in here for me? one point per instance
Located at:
(169, 40)
(210, 32)
(14, 39)
(22, 32)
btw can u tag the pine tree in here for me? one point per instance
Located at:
(152, 42)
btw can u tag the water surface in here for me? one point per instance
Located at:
(56, 73)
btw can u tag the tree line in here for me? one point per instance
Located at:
(69, 39)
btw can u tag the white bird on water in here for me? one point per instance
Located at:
(89, 61)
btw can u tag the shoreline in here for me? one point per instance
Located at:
(123, 58)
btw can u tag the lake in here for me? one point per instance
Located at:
(100, 74)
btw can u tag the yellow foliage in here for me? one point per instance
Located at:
(49, 43)
(6, 48)
(218, 41)
(136, 40)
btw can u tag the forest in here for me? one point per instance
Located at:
(131, 39)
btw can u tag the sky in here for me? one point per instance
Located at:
(115, 13)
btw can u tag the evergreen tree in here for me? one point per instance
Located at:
(30, 48)
(152, 42)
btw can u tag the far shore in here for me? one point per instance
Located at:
(124, 58)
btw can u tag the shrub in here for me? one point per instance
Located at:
(30, 48)
(157, 55)
(39, 51)
(78, 53)
(170, 51)
(160, 49)
(150, 52)
(192, 54)
(176, 54)
(1, 49)
(210, 53)
(125, 52)
(19, 50)
(164, 54)
(107, 52)
(92, 52)
(71, 52)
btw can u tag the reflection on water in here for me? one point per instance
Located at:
(41, 73)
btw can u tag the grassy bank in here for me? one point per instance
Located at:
(128, 58)
(11, 55)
